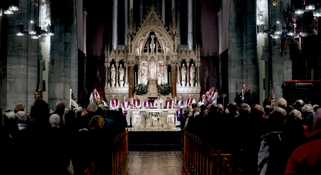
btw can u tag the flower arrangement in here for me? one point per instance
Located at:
(140, 89)
(164, 89)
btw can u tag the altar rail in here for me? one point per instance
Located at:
(202, 159)
(118, 156)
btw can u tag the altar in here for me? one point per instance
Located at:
(153, 119)
(152, 57)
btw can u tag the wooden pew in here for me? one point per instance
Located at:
(118, 156)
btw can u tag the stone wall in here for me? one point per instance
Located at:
(21, 62)
(242, 63)
(63, 74)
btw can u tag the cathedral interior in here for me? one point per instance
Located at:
(50, 47)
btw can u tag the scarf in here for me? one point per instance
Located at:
(123, 104)
(136, 102)
(147, 104)
(190, 102)
(95, 95)
(168, 102)
(113, 102)
(181, 102)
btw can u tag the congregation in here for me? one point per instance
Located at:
(284, 139)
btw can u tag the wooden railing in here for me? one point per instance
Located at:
(202, 159)
(118, 156)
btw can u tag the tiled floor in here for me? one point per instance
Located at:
(154, 163)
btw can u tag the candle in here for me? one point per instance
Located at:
(244, 89)
(70, 97)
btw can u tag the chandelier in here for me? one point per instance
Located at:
(34, 30)
(8, 7)
(299, 22)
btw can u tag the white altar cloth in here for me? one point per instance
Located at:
(153, 118)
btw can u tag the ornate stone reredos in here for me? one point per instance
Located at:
(152, 23)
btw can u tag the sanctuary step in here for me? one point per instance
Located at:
(155, 140)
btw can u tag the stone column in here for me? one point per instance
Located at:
(107, 78)
(178, 12)
(141, 11)
(126, 75)
(190, 25)
(198, 75)
(174, 73)
(187, 75)
(126, 21)
(131, 82)
(178, 77)
(117, 74)
(114, 29)
(163, 11)
(165, 74)
(131, 6)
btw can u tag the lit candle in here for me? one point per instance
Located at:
(70, 97)
(244, 88)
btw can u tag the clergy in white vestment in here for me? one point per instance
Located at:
(159, 103)
(93, 96)
(180, 104)
(203, 101)
(190, 101)
(114, 103)
(136, 103)
(125, 106)
(147, 104)
(169, 104)
(214, 97)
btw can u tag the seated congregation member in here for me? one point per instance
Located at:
(293, 134)
(169, 103)
(136, 103)
(306, 159)
(100, 143)
(271, 153)
(114, 103)
(307, 118)
(147, 104)
(190, 101)
(94, 96)
(159, 103)
(203, 101)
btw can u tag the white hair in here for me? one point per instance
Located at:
(54, 120)
(10, 115)
(21, 115)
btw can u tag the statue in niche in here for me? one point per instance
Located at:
(152, 68)
(160, 78)
(183, 72)
(192, 75)
(144, 78)
(112, 74)
(121, 75)
(152, 44)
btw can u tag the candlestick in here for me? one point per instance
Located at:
(244, 88)
(70, 97)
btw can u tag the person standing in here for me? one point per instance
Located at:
(94, 96)
(136, 103)
(190, 101)
(159, 103)
(114, 103)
